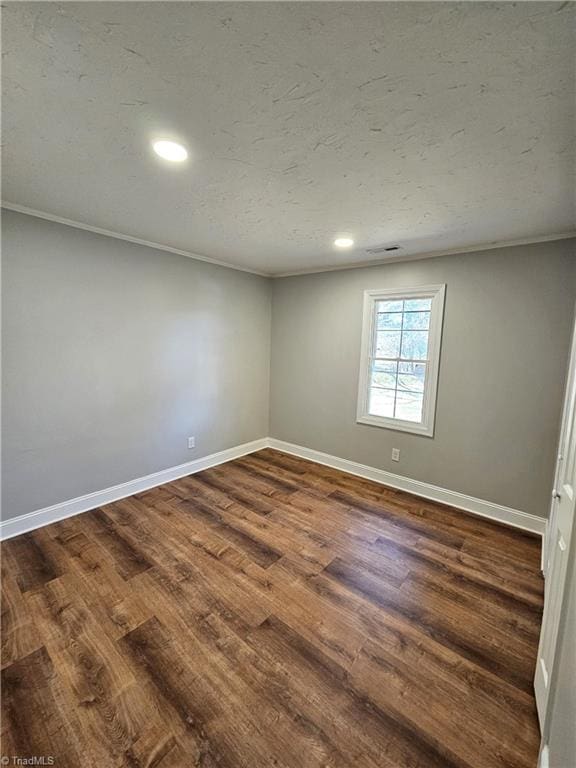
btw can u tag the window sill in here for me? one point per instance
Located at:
(397, 425)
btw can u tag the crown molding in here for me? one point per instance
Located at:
(121, 236)
(312, 271)
(432, 254)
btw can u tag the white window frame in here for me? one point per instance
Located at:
(437, 294)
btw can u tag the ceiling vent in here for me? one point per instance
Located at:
(383, 249)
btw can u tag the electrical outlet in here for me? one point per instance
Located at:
(191, 442)
(395, 454)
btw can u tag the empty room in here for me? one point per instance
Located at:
(288, 384)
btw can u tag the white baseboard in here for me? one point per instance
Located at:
(41, 517)
(544, 758)
(507, 515)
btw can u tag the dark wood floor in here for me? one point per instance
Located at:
(271, 612)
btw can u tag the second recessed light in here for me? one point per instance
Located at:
(343, 242)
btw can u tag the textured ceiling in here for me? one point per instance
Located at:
(433, 125)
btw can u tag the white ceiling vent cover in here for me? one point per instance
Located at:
(383, 249)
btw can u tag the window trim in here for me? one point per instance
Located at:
(437, 294)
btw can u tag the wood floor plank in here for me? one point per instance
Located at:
(272, 612)
(153, 740)
(266, 532)
(463, 634)
(206, 704)
(19, 633)
(403, 694)
(157, 655)
(88, 661)
(102, 588)
(382, 737)
(129, 561)
(31, 559)
(216, 519)
(183, 552)
(36, 718)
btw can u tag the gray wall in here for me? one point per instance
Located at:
(113, 354)
(505, 345)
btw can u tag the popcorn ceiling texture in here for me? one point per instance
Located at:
(436, 125)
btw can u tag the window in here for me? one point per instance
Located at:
(400, 358)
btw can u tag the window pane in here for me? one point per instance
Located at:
(416, 320)
(411, 305)
(384, 374)
(381, 402)
(415, 344)
(388, 343)
(389, 320)
(411, 376)
(390, 306)
(409, 406)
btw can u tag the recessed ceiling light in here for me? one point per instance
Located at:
(170, 150)
(343, 242)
